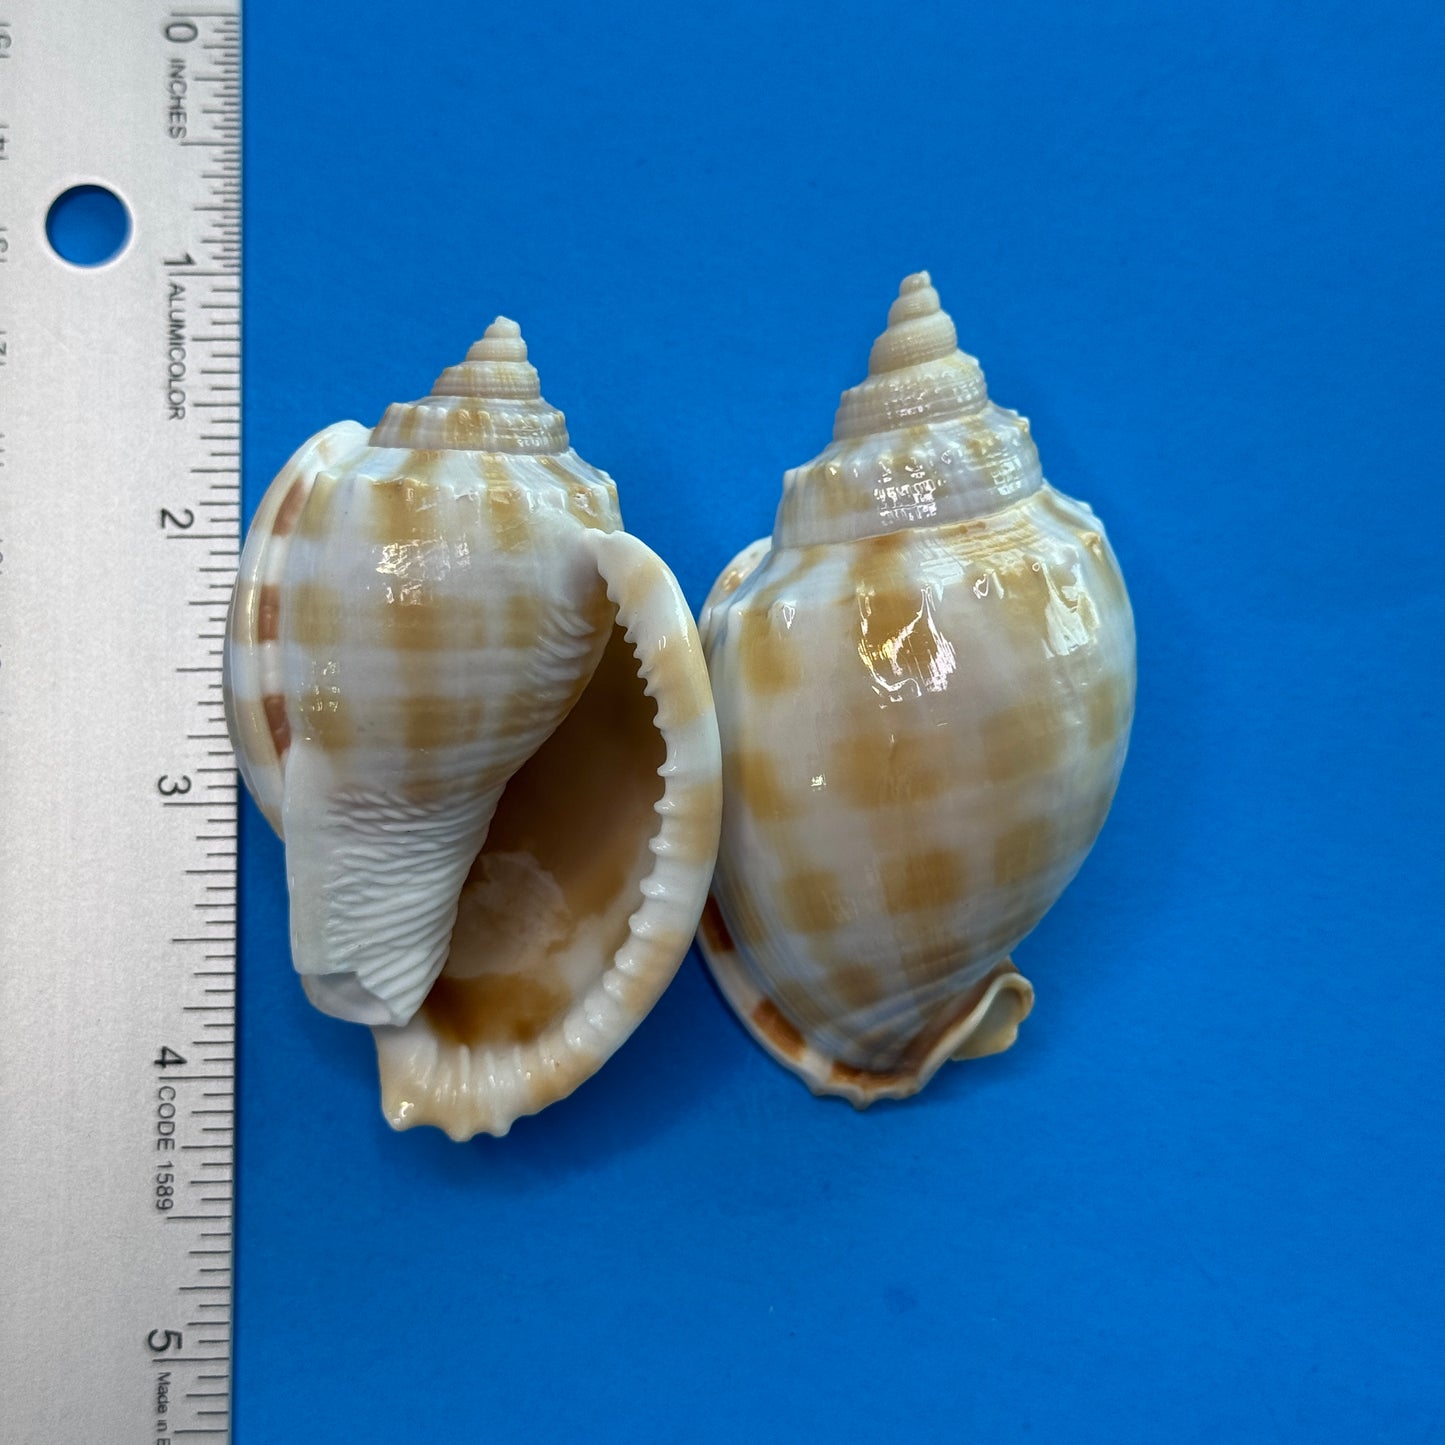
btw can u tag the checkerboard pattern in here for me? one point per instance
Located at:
(922, 732)
(409, 626)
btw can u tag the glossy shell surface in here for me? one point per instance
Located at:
(924, 684)
(445, 661)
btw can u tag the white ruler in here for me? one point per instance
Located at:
(119, 512)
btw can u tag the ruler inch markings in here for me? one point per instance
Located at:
(131, 1044)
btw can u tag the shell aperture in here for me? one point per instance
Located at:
(421, 612)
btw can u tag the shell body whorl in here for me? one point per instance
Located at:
(418, 611)
(924, 689)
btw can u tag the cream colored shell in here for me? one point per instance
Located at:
(418, 609)
(924, 686)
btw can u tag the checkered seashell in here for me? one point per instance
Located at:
(924, 685)
(477, 713)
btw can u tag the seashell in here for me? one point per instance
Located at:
(478, 714)
(924, 684)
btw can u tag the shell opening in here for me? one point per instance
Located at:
(546, 904)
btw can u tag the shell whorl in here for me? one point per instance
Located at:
(916, 443)
(916, 372)
(919, 329)
(490, 402)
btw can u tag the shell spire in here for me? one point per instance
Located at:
(916, 443)
(496, 367)
(916, 373)
(490, 402)
(919, 329)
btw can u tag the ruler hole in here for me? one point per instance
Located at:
(87, 225)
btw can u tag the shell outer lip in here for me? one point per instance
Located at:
(988, 1026)
(663, 637)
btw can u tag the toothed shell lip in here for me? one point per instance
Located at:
(411, 622)
(483, 1088)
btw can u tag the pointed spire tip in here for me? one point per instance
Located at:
(501, 341)
(918, 330)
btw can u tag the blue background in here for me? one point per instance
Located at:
(1200, 247)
